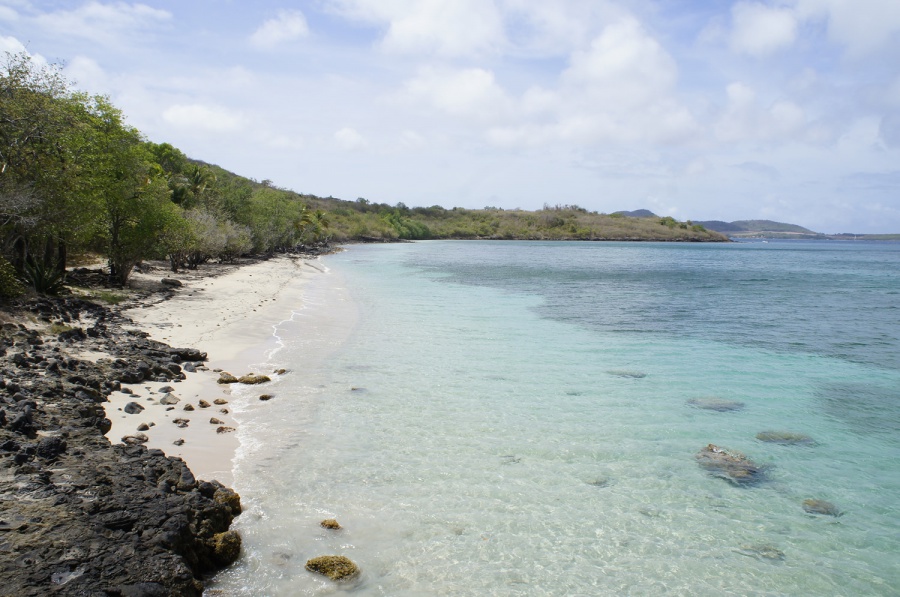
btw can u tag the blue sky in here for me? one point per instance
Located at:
(786, 110)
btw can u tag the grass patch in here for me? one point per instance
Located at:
(59, 328)
(108, 297)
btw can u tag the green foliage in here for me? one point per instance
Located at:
(405, 227)
(10, 287)
(45, 279)
(668, 221)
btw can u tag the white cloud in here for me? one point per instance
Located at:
(86, 74)
(289, 25)
(349, 139)
(442, 27)
(556, 28)
(206, 118)
(622, 88)
(8, 14)
(11, 45)
(469, 92)
(862, 26)
(744, 119)
(760, 30)
(623, 64)
(103, 22)
(412, 140)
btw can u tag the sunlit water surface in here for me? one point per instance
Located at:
(509, 418)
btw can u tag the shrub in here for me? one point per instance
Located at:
(10, 286)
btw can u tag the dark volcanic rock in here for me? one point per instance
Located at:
(78, 515)
(133, 408)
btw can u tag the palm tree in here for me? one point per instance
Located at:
(200, 179)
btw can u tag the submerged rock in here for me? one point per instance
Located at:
(334, 567)
(627, 374)
(732, 466)
(785, 437)
(814, 506)
(762, 551)
(717, 404)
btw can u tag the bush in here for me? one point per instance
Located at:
(10, 286)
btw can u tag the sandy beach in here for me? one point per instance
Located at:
(230, 316)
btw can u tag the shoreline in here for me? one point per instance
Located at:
(78, 470)
(232, 317)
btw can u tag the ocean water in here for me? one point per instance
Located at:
(515, 418)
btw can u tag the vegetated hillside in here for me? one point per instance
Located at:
(760, 228)
(361, 220)
(75, 178)
(638, 213)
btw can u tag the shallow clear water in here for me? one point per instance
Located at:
(512, 419)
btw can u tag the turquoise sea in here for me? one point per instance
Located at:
(522, 418)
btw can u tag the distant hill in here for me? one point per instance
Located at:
(638, 213)
(763, 228)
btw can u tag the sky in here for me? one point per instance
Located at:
(698, 109)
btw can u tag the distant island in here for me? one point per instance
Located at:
(767, 229)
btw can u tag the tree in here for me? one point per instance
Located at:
(44, 201)
(131, 190)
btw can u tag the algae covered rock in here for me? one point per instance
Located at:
(253, 379)
(226, 378)
(732, 466)
(226, 547)
(229, 498)
(330, 523)
(785, 437)
(716, 404)
(814, 506)
(334, 567)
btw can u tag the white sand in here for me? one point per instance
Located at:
(231, 318)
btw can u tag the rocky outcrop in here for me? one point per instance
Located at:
(78, 515)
